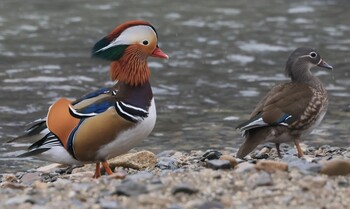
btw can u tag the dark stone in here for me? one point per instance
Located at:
(130, 188)
(167, 163)
(211, 155)
(184, 188)
(211, 205)
(218, 164)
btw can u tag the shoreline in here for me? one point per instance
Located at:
(196, 179)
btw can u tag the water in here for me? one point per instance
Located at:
(224, 56)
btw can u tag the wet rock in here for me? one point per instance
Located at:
(244, 167)
(184, 188)
(218, 164)
(139, 160)
(336, 167)
(271, 166)
(167, 163)
(130, 188)
(29, 178)
(211, 205)
(259, 179)
(211, 155)
(230, 158)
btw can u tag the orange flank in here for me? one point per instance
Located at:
(60, 121)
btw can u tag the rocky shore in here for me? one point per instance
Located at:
(196, 179)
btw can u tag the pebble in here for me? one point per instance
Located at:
(244, 167)
(261, 178)
(218, 164)
(184, 188)
(211, 155)
(313, 182)
(167, 163)
(181, 181)
(336, 167)
(211, 205)
(230, 158)
(130, 188)
(29, 178)
(271, 165)
(139, 160)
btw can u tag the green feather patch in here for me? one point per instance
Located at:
(112, 53)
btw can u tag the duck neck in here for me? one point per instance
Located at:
(302, 74)
(131, 68)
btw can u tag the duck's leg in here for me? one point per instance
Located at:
(97, 171)
(107, 168)
(278, 150)
(300, 151)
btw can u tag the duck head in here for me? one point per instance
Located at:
(128, 46)
(301, 61)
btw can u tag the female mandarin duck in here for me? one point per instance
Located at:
(289, 110)
(108, 122)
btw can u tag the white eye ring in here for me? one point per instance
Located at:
(145, 42)
(313, 54)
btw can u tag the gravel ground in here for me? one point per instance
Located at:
(182, 180)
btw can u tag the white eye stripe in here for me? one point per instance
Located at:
(135, 34)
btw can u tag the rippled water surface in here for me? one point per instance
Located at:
(224, 56)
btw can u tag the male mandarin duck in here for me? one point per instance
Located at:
(108, 122)
(289, 110)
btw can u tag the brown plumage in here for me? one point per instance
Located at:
(289, 110)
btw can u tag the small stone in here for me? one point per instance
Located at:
(263, 153)
(230, 158)
(19, 199)
(40, 185)
(167, 163)
(211, 205)
(184, 188)
(10, 178)
(259, 179)
(244, 167)
(218, 164)
(313, 182)
(12, 185)
(211, 155)
(130, 188)
(138, 161)
(29, 178)
(271, 166)
(336, 167)
(303, 165)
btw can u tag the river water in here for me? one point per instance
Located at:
(224, 56)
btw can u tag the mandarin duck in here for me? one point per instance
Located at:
(289, 110)
(110, 121)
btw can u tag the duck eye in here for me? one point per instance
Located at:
(145, 42)
(313, 54)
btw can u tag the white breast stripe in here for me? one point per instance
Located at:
(125, 113)
(133, 107)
